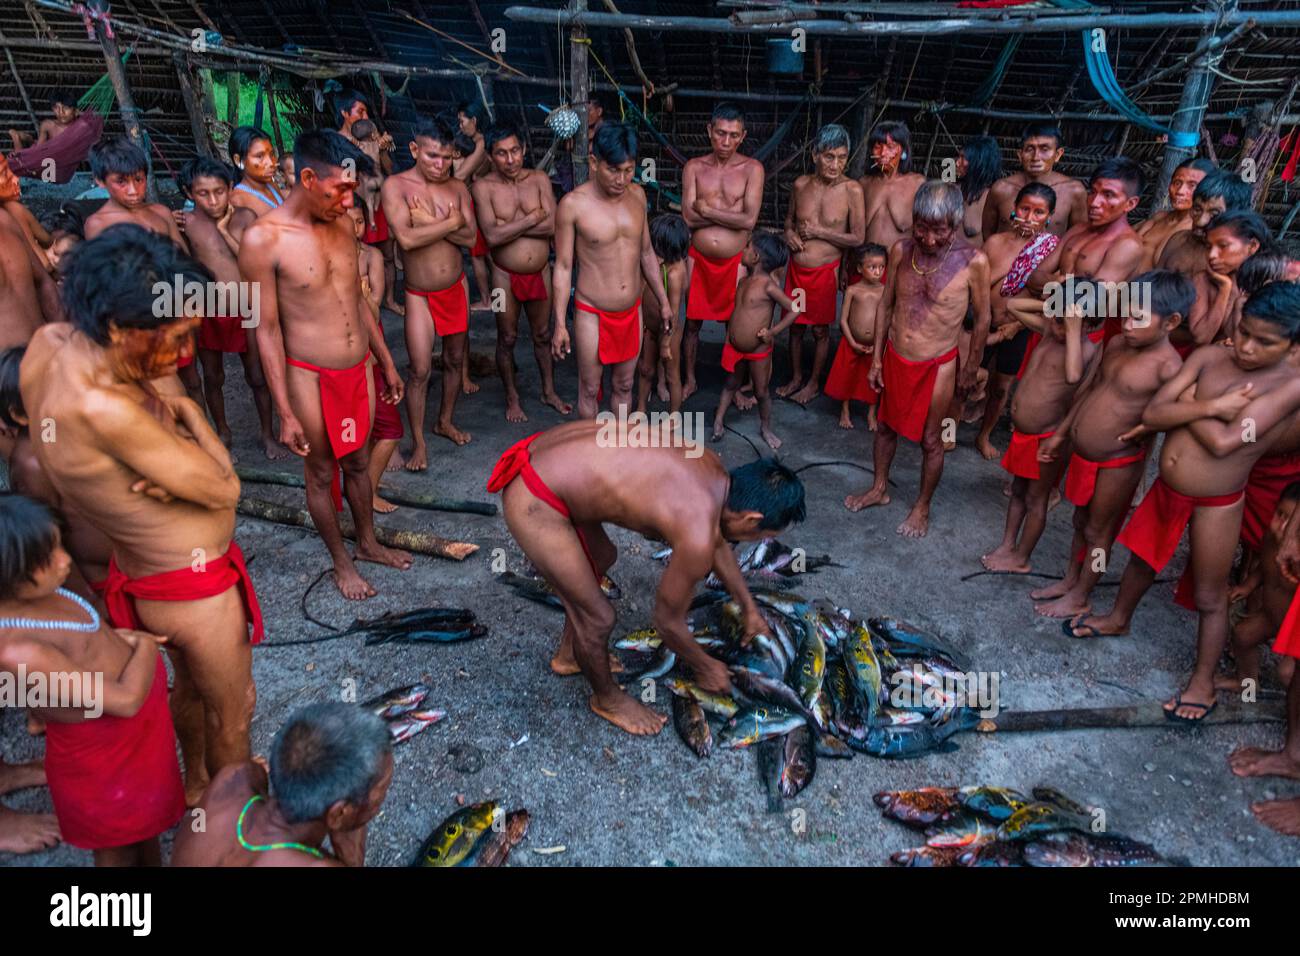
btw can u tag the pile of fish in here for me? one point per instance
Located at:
(536, 588)
(996, 826)
(440, 625)
(481, 834)
(818, 684)
(404, 711)
(768, 558)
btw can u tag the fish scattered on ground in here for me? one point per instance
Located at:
(1088, 849)
(398, 701)
(453, 839)
(426, 625)
(799, 761)
(539, 589)
(767, 559)
(414, 722)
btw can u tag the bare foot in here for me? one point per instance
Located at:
(1095, 626)
(396, 463)
(418, 459)
(1280, 815)
(1232, 683)
(1004, 560)
(790, 387)
(381, 506)
(20, 776)
(916, 524)
(467, 387)
(662, 391)
(689, 389)
(806, 394)
(867, 499)
(744, 402)
(987, 448)
(395, 306)
(482, 305)
(515, 412)
(557, 403)
(273, 450)
(27, 832)
(351, 584)
(871, 419)
(196, 785)
(1054, 499)
(378, 554)
(1067, 605)
(716, 436)
(770, 437)
(452, 433)
(1054, 590)
(630, 715)
(846, 420)
(1258, 762)
(566, 665)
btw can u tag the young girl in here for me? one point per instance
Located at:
(251, 151)
(671, 238)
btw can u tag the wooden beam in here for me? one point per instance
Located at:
(275, 120)
(370, 29)
(201, 140)
(125, 101)
(580, 82)
(233, 83)
(1197, 87)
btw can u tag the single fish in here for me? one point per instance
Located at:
(692, 726)
(810, 669)
(771, 752)
(918, 808)
(1036, 819)
(845, 717)
(493, 849)
(712, 703)
(995, 853)
(962, 829)
(907, 640)
(1058, 799)
(660, 665)
(453, 838)
(864, 670)
(992, 803)
(425, 618)
(414, 722)
(787, 602)
(643, 639)
(398, 701)
(928, 856)
(441, 636)
(1088, 849)
(540, 590)
(767, 690)
(915, 740)
(755, 724)
(799, 762)
(755, 660)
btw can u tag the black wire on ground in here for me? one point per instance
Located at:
(1049, 577)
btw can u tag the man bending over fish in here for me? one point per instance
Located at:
(560, 486)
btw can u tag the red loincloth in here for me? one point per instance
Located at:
(115, 781)
(619, 335)
(344, 404)
(223, 333)
(218, 575)
(1288, 635)
(732, 356)
(820, 286)
(448, 307)
(1081, 478)
(1021, 456)
(1156, 527)
(847, 380)
(712, 296)
(377, 231)
(1268, 479)
(907, 388)
(388, 419)
(480, 245)
(527, 286)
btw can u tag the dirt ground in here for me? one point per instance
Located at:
(520, 735)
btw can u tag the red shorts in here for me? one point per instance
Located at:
(712, 295)
(448, 307)
(619, 335)
(820, 285)
(1268, 479)
(732, 356)
(528, 286)
(388, 418)
(1021, 456)
(223, 333)
(1081, 478)
(1288, 635)
(344, 403)
(848, 377)
(377, 231)
(907, 388)
(1156, 527)
(115, 781)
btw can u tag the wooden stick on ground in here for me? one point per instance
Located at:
(421, 542)
(269, 476)
(1151, 714)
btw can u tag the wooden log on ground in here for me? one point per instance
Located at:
(421, 542)
(1149, 714)
(269, 476)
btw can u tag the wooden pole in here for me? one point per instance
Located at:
(581, 83)
(18, 81)
(1197, 87)
(275, 120)
(197, 127)
(122, 89)
(233, 82)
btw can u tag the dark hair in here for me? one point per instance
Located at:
(10, 395)
(364, 207)
(67, 220)
(769, 487)
(983, 166)
(28, 536)
(772, 251)
(1084, 287)
(326, 149)
(1290, 494)
(1226, 185)
(670, 237)
(1245, 224)
(727, 110)
(362, 129)
(344, 100)
(1043, 191)
(1198, 163)
(500, 131)
(614, 143)
(117, 155)
(1277, 303)
(64, 97)
(900, 134)
(1042, 130)
(1121, 169)
(110, 280)
(870, 249)
(203, 166)
(1261, 269)
(242, 140)
(323, 754)
(1169, 292)
(473, 109)
(436, 128)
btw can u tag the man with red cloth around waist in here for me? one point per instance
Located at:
(137, 459)
(722, 194)
(826, 216)
(558, 488)
(317, 335)
(516, 214)
(1239, 401)
(602, 228)
(935, 275)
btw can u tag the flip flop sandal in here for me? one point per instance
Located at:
(1206, 709)
(1069, 624)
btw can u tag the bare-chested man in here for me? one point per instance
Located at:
(889, 186)
(1041, 148)
(1219, 191)
(316, 336)
(28, 294)
(602, 228)
(1157, 230)
(722, 194)
(141, 463)
(825, 218)
(561, 486)
(515, 206)
(64, 107)
(934, 277)
(428, 210)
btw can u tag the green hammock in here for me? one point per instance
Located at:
(100, 96)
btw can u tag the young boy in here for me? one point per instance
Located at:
(214, 228)
(1062, 360)
(288, 173)
(1232, 237)
(854, 356)
(366, 135)
(1240, 400)
(1108, 442)
(386, 434)
(671, 239)
(110, 751)
(749, 329)
(120, 167)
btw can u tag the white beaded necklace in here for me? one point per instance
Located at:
(33, 624)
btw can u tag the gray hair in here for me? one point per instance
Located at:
(831, 136)
(325, 753)
(937, 201)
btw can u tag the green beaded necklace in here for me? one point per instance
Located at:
(239, 832)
